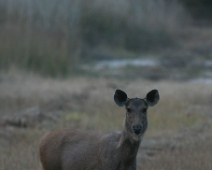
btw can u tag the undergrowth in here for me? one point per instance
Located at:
(51, 37)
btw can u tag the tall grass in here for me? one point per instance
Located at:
(51, 36)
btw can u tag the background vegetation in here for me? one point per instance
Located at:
(200, 9)
(52, 36)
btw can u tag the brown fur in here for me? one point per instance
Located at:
(73, 150)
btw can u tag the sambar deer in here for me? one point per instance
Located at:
(74, 150)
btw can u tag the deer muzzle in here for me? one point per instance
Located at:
(137, 129)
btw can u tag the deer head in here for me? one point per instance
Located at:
(136, 121)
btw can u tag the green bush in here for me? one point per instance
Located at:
(99, 28)
(136, 29)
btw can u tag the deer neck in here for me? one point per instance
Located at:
(128, 143)
(128, 148)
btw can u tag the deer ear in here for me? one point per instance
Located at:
(120, 97)
(152, 97)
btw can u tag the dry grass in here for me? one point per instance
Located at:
(182, 117)
(51, 36)
(194, 157)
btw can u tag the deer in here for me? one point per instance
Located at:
(77, 150)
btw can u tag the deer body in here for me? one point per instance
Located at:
(73, 150)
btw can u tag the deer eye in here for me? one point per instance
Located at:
(144, 109)
(129, 110)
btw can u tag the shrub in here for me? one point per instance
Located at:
(51, 36)
(199, 8)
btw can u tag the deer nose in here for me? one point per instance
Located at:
(137, 129)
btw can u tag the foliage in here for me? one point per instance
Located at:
(52, 36)
(199, 8)
(196, 2)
